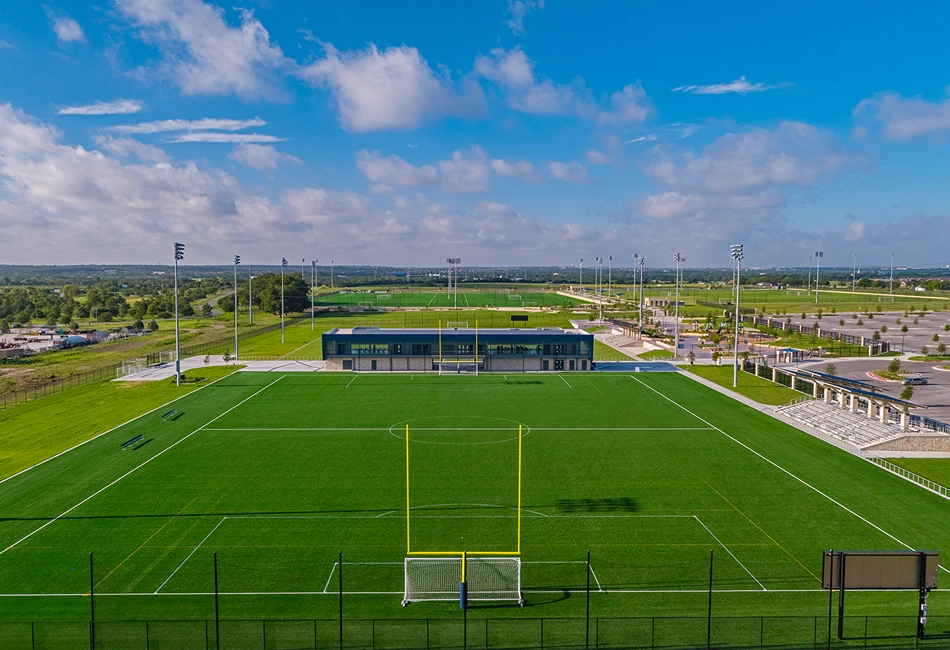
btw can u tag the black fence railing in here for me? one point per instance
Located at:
(745, 632)
(58, 385)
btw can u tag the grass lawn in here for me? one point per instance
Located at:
(756, 388)
(37, 430)
(603, 352)
(936, 469)
(654, 355)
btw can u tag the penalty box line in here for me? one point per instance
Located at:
(782, 469)
(137, 467)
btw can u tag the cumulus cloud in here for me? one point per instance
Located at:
(465, 173)
(517, 10)
(205, 124)
(521, 169)
(67, 30)
(740, 86)
(390, 89)
(513, 72)
(905, 118)
(205, 55)
(391, 171)
(598, 157)
(117, 107)
(261, 156)
(226, 138)
(124, 147)
(572, 172)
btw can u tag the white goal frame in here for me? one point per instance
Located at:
(514, 296)
(166, 357)
(365, 303)
(130, 367)
(456, 324)
(440, 579)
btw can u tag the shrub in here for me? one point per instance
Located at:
(860, 322)
(904, 328)
(894, 366)
(936, 337)
(831, 369)
(924, 351)
(883, 329)
(907, 393)
(840, 321)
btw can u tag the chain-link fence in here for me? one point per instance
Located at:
(470, 632)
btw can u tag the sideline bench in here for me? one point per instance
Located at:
(170, 415)
(128, 444)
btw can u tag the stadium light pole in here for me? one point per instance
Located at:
(597, 270)
(610, 259)
(809, 274)
(331, 275)
(676, 314)
(892, 274)
(283, 265)
(179, 255)
(818, 256)
(580, 278)
(736, 250)
(250, 297)
(313, 289)
(854, 271)
(237, 261)
(642, 261)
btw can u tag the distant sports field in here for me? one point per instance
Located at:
(278, 473)
(465, 298)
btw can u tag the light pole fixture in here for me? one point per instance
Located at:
(809, 274)
(676, 314)
(283, 265)
(610, 259)
(313, 290)
(818, 256)
(854, 271)
(179, 256)
(641, 262)
(250, 297)
(598, 270)
(581, 276)
(237, 261)
(453, 262)
(331, 275)
(736, 250)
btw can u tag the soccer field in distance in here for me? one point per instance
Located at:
(530, 297)
(278, 473)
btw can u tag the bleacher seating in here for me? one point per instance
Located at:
(853, 428)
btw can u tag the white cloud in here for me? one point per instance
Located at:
(392, 89)
(6, 46)
(393, 171)
(465, 173)
(513, 72)
(118, 107)
(202, 53)
(792, 154)
(227, 138)
(598, 158)
(517, 10)
(740, 86)
(124, 147)
(205, 124)
(905, 118)
(67, 30)
(856, 231)
(261, 156)
(521, 169)
(572, 172)
(650, 137)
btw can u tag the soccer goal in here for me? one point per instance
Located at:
(365, 303)
(130, 367)
(166, 357)
(456, 324)
(462, 578)
(885, 298)
(529, 304)
(514, 296)
(383, 296)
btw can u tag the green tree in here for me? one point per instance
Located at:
(894, 366)
(691, 357)
(908, 392)
(831, 369)
(924, 351)
(942, 348)
(904, 328)
(936, 338)
(876, 336)
(207, 310)
(153, 325)
(4, 326)
(883, 329)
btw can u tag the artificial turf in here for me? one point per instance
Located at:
(278, 473)
(465, 298)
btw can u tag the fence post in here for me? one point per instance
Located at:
(217, 620)
(340, 583)
(587, 628)
(92, 606)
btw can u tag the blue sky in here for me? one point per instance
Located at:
(504, 132)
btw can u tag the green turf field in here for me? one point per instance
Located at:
(278, 473)
(465, 298)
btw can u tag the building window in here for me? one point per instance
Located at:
(420, 349)
(397, 348)
(341, 348)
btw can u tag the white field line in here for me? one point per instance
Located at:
(726, 548)
(565, 381)
(304, 429)
(351, 381)
(461, 429)
(431, 299)
(136, 468)
(599, 588)
(782, 469)
(193, 551)
(138, 417)
(330, 577)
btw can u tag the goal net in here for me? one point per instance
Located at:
(365, 303)
(486, 578)
(457, 324)
(383, 296)
(514, 296)
(529, 304)
(130, 367)
(166, 357)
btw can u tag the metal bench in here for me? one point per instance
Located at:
(170, 415)
(128, 444)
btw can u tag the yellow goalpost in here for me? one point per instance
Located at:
(458, 361)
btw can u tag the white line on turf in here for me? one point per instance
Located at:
(460, 429)
(351, 381)
(565, 381)
(330, 577)
(300, 348)
(599, 588)
(779, 467)
(157, 408)
(193, 551)
(726, 548)
(137, 467)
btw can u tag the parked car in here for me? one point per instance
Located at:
(915, 381)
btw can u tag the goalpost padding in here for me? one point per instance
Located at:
(439, 578)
